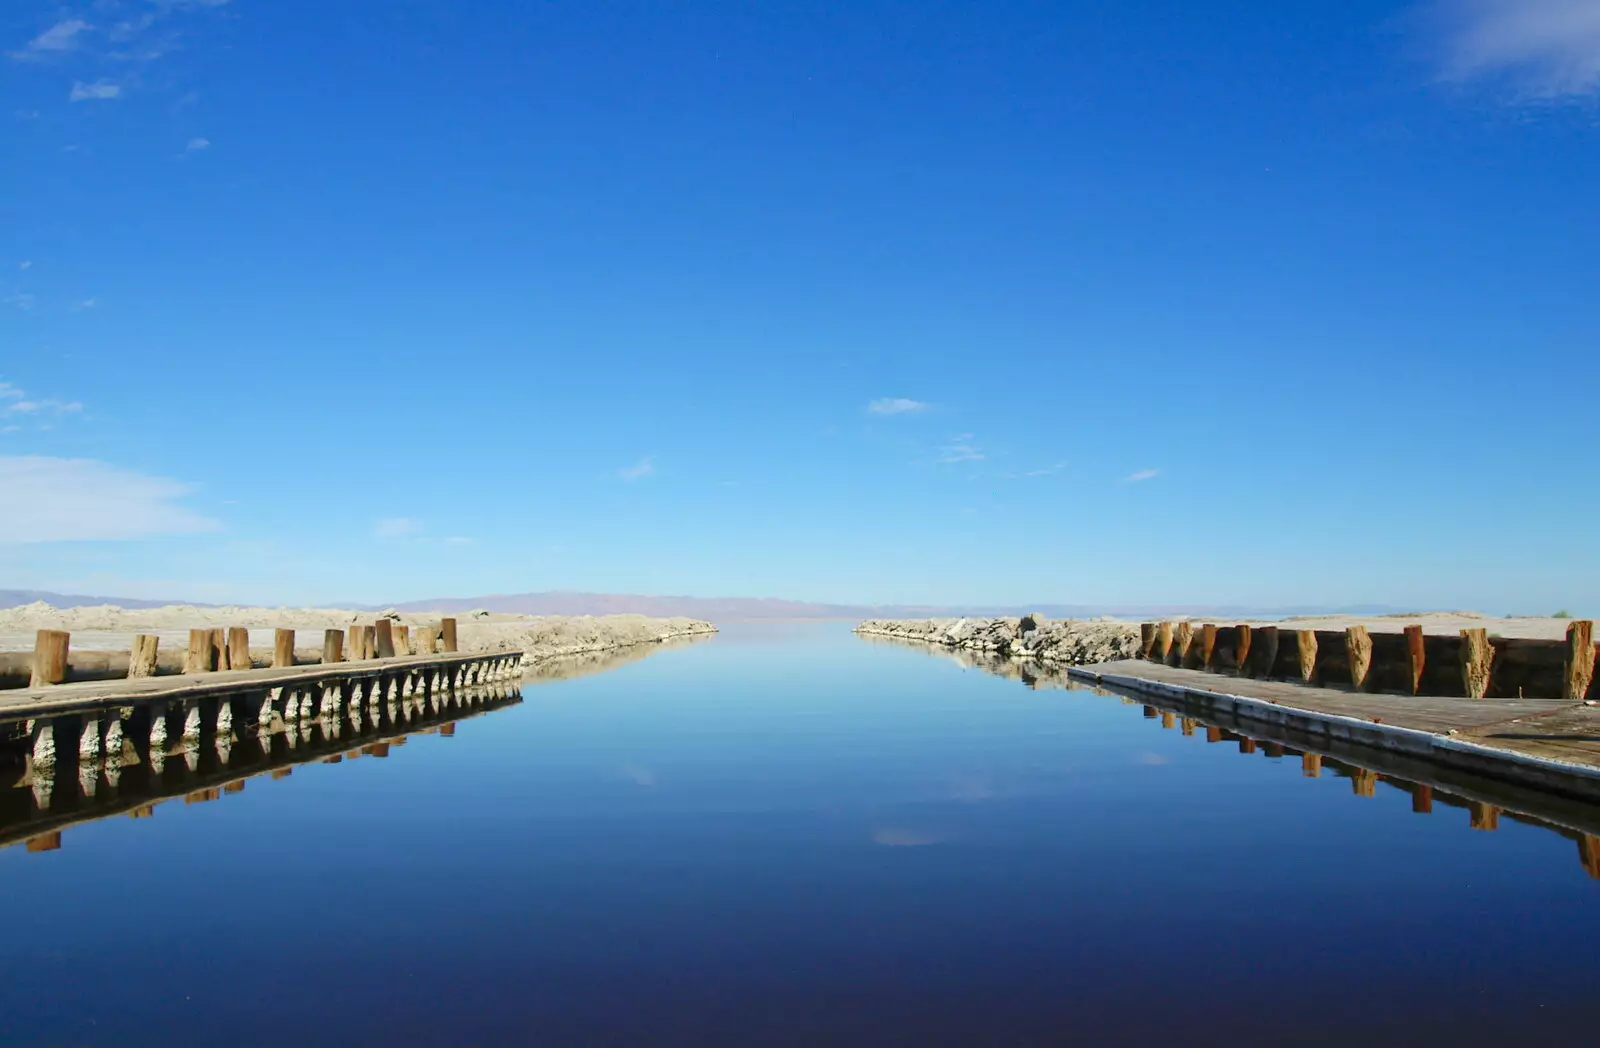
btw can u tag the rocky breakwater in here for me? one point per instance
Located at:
(1070, 642)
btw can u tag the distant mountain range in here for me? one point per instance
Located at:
(724, 609)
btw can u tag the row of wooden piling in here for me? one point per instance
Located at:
(220, 649)
(1405, 663)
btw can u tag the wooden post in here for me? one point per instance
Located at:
(383, 639)
(198, 658)
(142, 657)
(427, 640)
(1477, 658)
(1358, 649)
(402, 639)
(219, 649)
(1208, 644)
(1311, 765)
(447, 631)
(49, 657)
(1416, 657)
(332, 646)
(1307, 641)
(1147, 639)
(1241, 658)
(282, 648)
(239, 648)
(1163, 640)
(1184, 639)
(369, 642)
(1580, 660)
(1265, 646)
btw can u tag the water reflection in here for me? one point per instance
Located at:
(1483, 800)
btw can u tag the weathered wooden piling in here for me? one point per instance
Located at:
(1311, 765)
(282, 648)
(1163, 640)
(1580, 660)
(1208, 644)
(1182, 642)
(1306, 642)
(1264, 650)
(1477, 660)
(1416, 658)
(427, 640)
(402, 639)
(239, 648)
(332, 646)
(219, 649)
(1147, 640)
(383, 640)
(198, 658)
(50, 657)
(1422, 799)
(1358, 650)
(1242, 640)
(1485, 817)
(142, 656)
(447, 633)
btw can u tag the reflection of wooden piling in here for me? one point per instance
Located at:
(1477, 657)
(1306, 642)
(1186, 725)
(1272, 749)
(282, 648)
(447, 730)
(50, 657)
(1579, 670)
(383, 640)
(1358, 650)
(282, 773)
(1416, 658)
(332, 646)
(1485, 817)
(234, 787)
(1213, 733)
(1247, 745)
(1311, 765)
(1364, 782)
(142, 656)
(1589, 854)
(142, 812)
(202, 796)
(239, 648)
(1422, 799)
(447, 633)
(1150, 713)
(45, 842)
(1168, 719)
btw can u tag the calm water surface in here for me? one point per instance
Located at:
(788, 835)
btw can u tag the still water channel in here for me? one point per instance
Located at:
(789, 835)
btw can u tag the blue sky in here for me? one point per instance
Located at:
(1005, 302)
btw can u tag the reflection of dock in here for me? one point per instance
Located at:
(1428, 782)
(77, 765)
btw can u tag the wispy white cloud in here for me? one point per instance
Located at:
(639, 470)
(99, 91)
(197, 144)
(1142, 475)
(896, 406)
(396, 527)
(960, 450)
(65, 35)
(21, 299)
(1047, 471)
(78, 500)
(87, 303)
(24, 264)
(1542, 48)
(16, 404)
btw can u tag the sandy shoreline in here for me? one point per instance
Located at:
(110, 628)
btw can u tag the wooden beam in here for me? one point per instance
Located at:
(142, 656)
(447, 631)
(1358, 649)
(1580, 660)
(239, 648)
(49, 658)
(282, 647)
(1416, 658)
(1477, 659)
(332, 646)
(1307, 642)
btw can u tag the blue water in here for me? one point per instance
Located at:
(787, 835)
